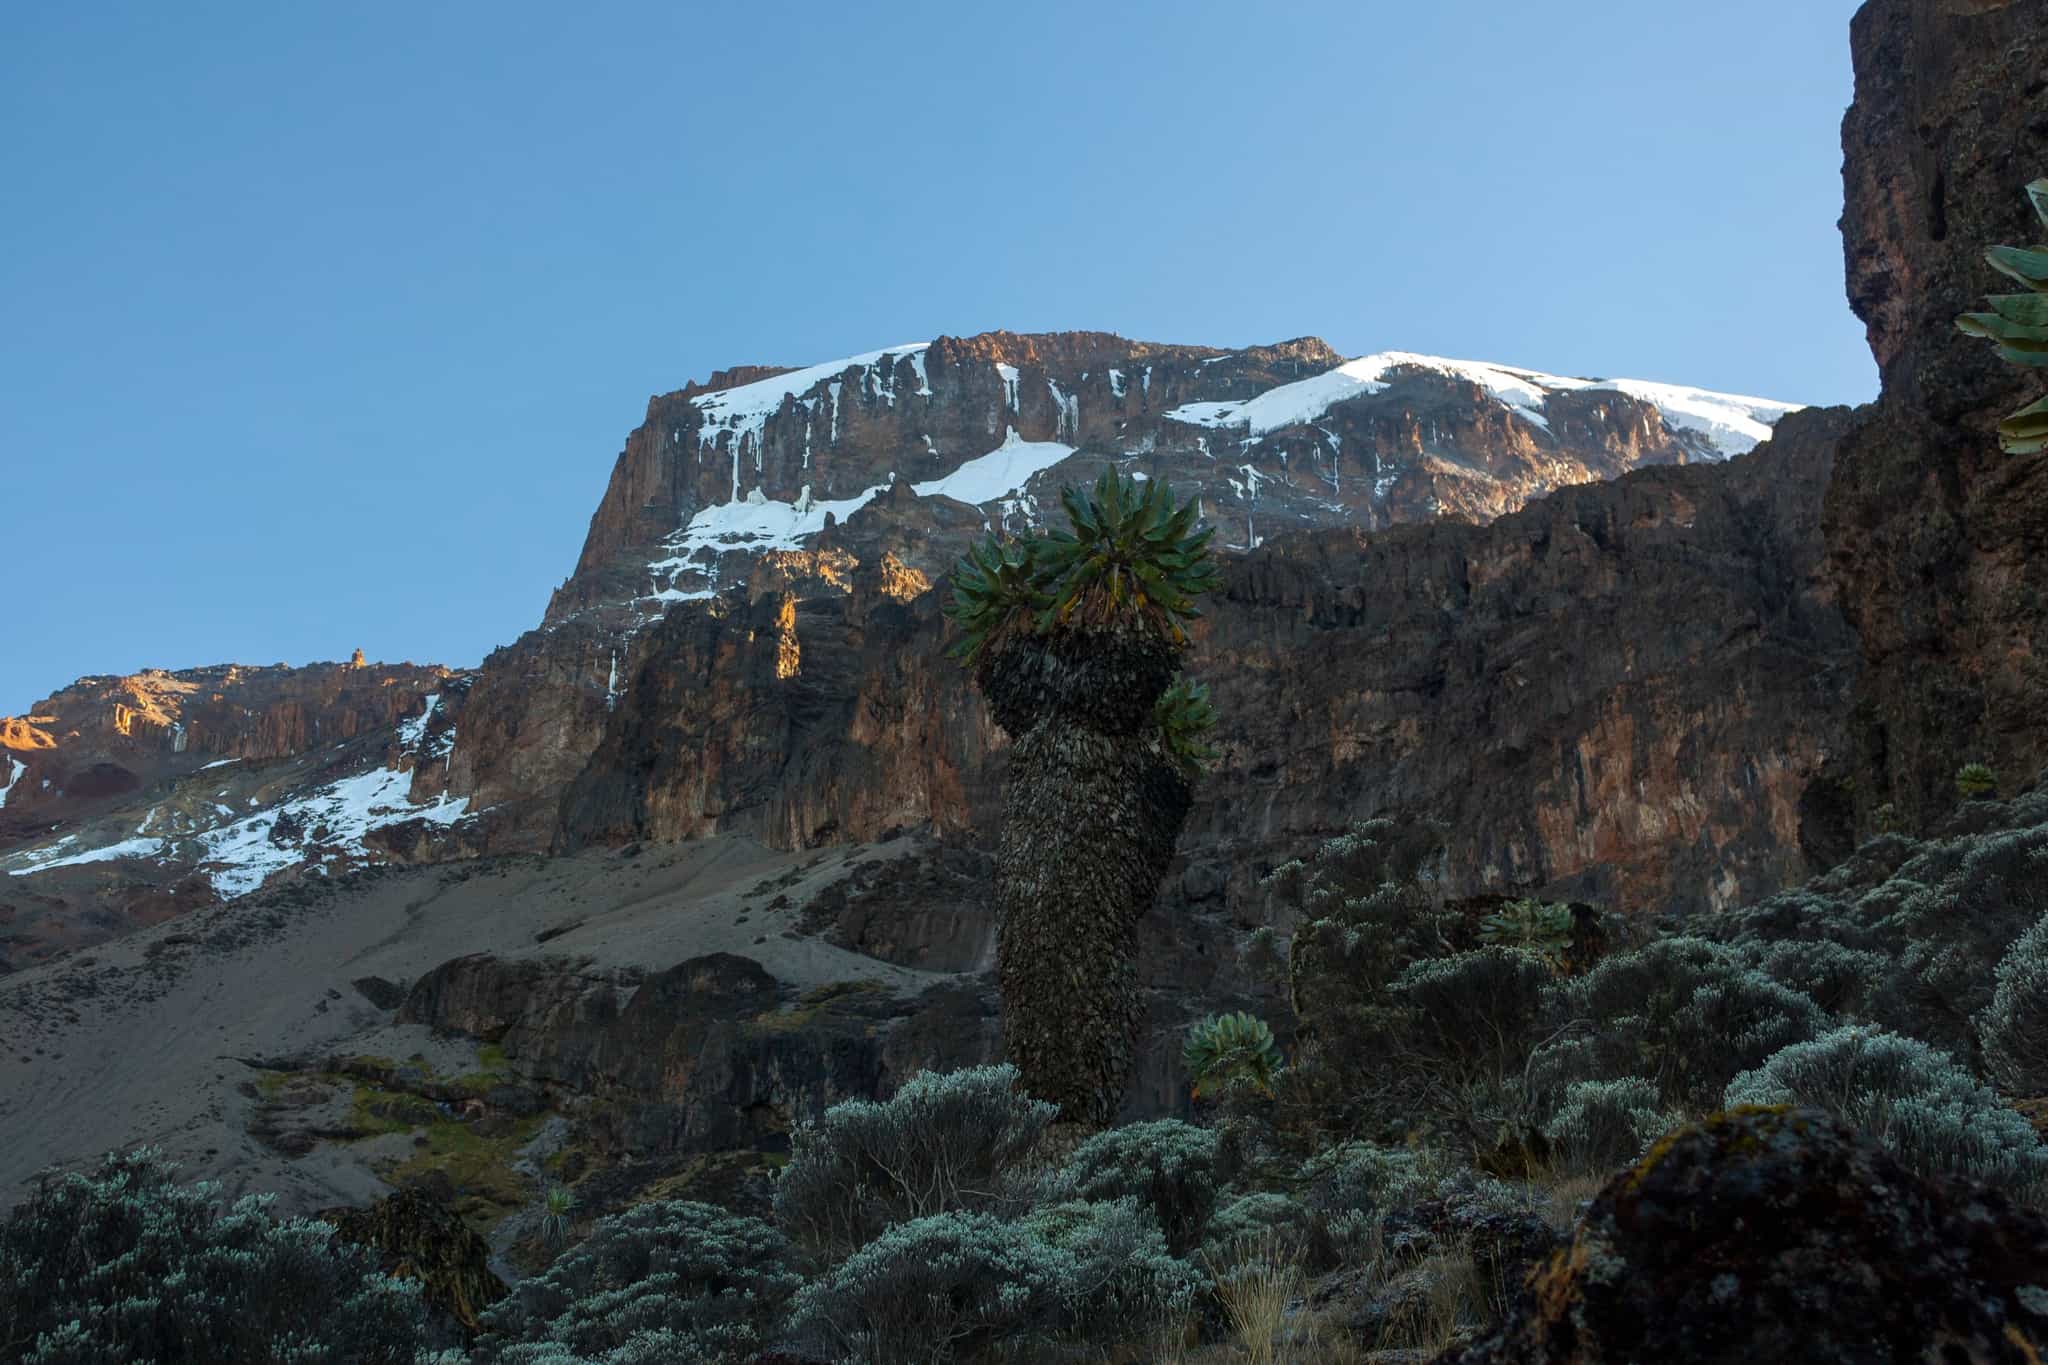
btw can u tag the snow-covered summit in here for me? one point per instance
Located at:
(1732, 424)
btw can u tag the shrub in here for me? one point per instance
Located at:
(1124, 1275)
(1936, 916)
(1838, 979)
(689, 1279)
(2014, 1026)
(1224, 1049)
(1167, 1165)
(1369, 907)
(1974, 780)
(1684, 1014)
(1261, 1217)
(1916, 1102)
(1470, 1025)
(1606, 1124)
(946, 1141)
(127, 1265)
(1954, 910)
(1347, 1191)
(937, 1287)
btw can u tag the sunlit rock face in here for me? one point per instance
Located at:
(125, 800)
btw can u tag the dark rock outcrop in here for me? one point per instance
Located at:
(709, 1055)
(1938, 541)
(1772, 1234)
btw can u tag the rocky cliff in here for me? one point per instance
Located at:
(1619, 691)
(126, 800)
(1936, 538)
(787, 522)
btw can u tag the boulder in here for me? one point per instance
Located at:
(1779, 1234)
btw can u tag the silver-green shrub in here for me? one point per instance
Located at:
(692, 1279)
(1348, 1189)
(2013, 1028)
(1605, 1124)
(1684, 1014)
(1470, 1022)
(946, 1141)
(127, 1265)
(1124, 1277)
(1916, 1102)
(1253, 1218)
(1168, 1166)
(1837, 978)
(937, 1289)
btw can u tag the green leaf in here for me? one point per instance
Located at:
(2003, 329)
(2028, 265)
(2026, 431)
(2029, 310)
(2038, 193)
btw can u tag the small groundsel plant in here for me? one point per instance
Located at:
(665, 1281)
(126, 1264)
(946, 1141)
(555, 1207)
(1532, 926)
(1975, 780)
(1222, 1049)
(1914, 1101)
(2018, 325)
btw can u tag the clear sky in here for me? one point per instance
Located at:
(322, 324)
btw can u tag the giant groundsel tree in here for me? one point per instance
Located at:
(1075, 639)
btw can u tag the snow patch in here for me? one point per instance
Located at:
(40, 860)
(238, 858)
(740, 413)
(1006, 469)
(1731, 423)
(13, 777)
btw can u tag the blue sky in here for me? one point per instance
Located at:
(324, 323)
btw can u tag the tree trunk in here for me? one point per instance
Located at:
(1079, 861)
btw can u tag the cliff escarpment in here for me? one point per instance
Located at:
(1937, 541)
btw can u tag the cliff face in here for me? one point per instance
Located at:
(769, 482)
(1936, 538)
(129, 800)
(100, 741)
(1620, 691)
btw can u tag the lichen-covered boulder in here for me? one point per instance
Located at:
(417, 1236)
(1780, 1234)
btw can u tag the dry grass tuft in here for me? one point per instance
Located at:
(1256, 1283)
